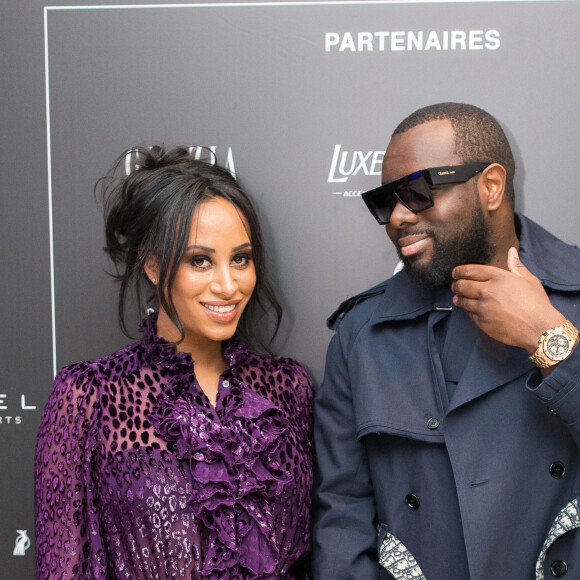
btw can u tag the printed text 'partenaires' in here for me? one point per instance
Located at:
(412, 40)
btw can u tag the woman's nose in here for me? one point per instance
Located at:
(224, 282)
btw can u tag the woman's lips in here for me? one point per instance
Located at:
(413, 244)
(221, 312)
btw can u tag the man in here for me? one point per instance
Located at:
(444, 451)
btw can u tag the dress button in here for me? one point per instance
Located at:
(412, 501)
(433, 423)
(558, 568)
(557, 470)
(226, 384)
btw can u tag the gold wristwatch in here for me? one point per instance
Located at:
(555, 345)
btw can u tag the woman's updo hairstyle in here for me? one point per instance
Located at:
(149, 197)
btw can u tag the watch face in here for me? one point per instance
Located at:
(557, 346)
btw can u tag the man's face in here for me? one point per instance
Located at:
(452, 232)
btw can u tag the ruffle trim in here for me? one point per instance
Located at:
(234, 463)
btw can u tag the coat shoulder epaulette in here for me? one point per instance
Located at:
(351, 302)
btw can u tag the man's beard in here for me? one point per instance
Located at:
(471, 245)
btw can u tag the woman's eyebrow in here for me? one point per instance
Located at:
(212, 250)
(197, 247)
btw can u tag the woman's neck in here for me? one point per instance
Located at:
(207, 356)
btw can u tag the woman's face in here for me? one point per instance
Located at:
(215, 279)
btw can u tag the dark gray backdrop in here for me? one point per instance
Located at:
(304, 126)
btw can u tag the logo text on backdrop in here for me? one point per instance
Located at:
(346, 164)
(6, 419)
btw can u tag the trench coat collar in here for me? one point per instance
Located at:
(544, 255)
(403, 300)
(540, 252)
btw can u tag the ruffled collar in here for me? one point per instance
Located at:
(233, 454)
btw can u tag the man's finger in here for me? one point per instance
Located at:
(475, 272)
(514, 263)
(466, 288)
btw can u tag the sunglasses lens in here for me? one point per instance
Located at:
(380, 202)
(415, 194)
(384, 208)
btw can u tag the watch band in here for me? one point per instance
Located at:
(541, 358)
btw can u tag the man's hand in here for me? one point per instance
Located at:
(509, 305)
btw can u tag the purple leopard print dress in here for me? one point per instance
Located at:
(139, 477)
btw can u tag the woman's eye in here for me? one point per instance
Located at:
(201, 262)
(241, 260)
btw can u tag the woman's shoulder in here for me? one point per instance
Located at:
(278, 378)
(276, 365)
(87, 385)
(111, 366)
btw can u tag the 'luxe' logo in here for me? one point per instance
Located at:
(345, 164)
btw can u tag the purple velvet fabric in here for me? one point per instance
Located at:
(137, 476)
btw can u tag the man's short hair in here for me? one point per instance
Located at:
(479, 138)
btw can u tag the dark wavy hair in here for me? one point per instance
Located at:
(479, 138)
(149, 197)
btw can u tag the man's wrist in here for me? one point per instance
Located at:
(549, 320)
(555, 345)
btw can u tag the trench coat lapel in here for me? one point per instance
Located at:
(497, 362)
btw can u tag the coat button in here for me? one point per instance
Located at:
(557, 470)
(226, 384)
(558, 568)
(433, 423)
(412, 501)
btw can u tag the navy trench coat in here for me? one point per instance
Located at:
(481, 487)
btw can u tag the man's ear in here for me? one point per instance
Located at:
(491, 186)
(152, 270)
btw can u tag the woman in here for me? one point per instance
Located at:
(185, 454)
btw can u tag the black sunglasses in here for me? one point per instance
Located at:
(414, 190)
